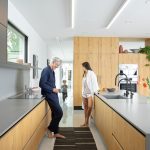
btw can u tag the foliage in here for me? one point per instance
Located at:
(146, 50)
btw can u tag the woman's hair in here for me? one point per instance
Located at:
(87, 66)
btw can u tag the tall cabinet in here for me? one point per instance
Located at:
(102, 54)
(3, 30)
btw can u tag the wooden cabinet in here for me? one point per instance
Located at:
(108, 45)
(128, 137)
(115, 144)
(128, 58)
(103, 121)
(38, 134)
(3, 44)
(3, 12)
(91, 49)
(28, 132)
(118, 134)
(99, 115)
(119, 128)
(7, 142)
(108, 126)
(108, 70)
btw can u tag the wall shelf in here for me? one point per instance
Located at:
(15, 66)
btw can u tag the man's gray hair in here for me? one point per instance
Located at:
(56, 59)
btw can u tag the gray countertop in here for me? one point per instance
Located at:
(136, 111)
(13, 110)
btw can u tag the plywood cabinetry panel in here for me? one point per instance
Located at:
(115, 144)
(128, 58)
(28, 130)
(103, 121)
(7, 141)
(37, 136)
(83, 44)
(109, 45)
(108, 70)
(118, 133)
(128, 137)
(93, 45)
(23, 132)
(91, 49)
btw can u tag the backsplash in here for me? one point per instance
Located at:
(13, 81)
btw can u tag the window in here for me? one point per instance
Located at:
(17, 44)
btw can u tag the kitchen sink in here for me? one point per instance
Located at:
(26, 96)
(114, 97)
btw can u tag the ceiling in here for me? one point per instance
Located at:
(52, 18)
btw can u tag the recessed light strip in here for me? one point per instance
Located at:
(72, 14)
(117, 14)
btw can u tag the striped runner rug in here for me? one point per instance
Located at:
(77, 138)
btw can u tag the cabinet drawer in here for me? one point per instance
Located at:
(115, 144)
(119, 128)
(128, 137)
(7, 140)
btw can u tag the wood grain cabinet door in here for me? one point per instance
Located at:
(7, 141)
(115, 144)
(128, 137)
(119, 128)
(128, 58)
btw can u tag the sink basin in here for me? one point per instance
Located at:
(26, 96)
(114, 97)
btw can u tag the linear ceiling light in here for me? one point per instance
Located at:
(118, 13)
(72, 14)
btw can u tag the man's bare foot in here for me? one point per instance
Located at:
(59, 136)
(50, 134)
(84, 125)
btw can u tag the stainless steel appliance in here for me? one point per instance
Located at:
(131, 70)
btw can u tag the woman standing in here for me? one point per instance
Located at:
(89, 86)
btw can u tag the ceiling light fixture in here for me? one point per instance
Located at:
(118, 13)
(72, 14)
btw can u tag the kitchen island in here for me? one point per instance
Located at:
(124, 123)
(23, 122)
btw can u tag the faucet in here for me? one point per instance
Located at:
(121, 73)
(127, 93)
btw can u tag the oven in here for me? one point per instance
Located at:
(131, 70)
(124, 86)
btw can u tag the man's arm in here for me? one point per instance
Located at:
(44, 82)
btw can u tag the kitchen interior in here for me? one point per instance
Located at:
(113, 37)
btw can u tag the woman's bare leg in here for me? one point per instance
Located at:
(85, 104)
(89, 109)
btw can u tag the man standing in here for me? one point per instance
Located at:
(50, 92)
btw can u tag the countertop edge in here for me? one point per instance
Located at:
(15, 122)
(134, 125)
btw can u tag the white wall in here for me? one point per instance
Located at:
(36, 45)
(13, 81)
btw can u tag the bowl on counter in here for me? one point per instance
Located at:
(111, 89)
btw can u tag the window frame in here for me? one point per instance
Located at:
(25, 42)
